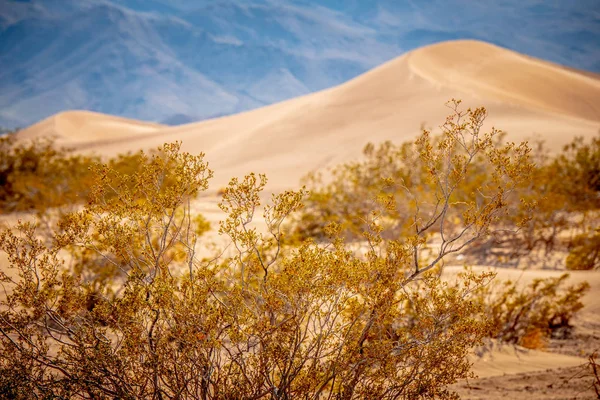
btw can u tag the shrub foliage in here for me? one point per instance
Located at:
(120, 303)
(456, 183)
(37, 176)
(530, 316)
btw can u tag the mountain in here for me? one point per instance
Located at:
(179, 119)
(153, 59)
(288, 139)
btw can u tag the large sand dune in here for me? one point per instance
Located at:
(524, 96)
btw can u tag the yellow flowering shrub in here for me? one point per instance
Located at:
(118, 303)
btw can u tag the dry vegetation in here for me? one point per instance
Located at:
(556, 209)
(36, 176)
(338, 297)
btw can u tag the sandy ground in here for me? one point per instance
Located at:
(526, 97)
(558, 381)
(558, 384)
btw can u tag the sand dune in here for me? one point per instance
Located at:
(87, 128)
(489, 71)
(524, 96)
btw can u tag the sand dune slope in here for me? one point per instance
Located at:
(490, 71)
(524, 96)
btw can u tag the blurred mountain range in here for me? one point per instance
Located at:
(178, 61)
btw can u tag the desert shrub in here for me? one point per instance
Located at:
(548, 212)
(531, 315)
(35, 175)
(261, 320)
(584, 253)
(577, 171)
(564, 188)
(412, 185)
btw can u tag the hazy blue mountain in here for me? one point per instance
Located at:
(163, 59)
(179, 119)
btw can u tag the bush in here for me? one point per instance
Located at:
(584, 253)
(578, 172)
(554, 210)
(37, 176)
(532, 315)
(119, 304)
(564, 189)
(437, 183)
(263, 321)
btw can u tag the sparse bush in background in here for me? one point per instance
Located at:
(578, 172)
(584, 252)
(530, 316)
(555, 210)
(354, 191)
(437, 182)
(37, 176)
(565, 190)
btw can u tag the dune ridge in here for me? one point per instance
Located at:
(88, 127)
(487, 69)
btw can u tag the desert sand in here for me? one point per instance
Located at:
(526, 97)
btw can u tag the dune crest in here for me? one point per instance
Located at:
(488, 70)
(88, 127)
